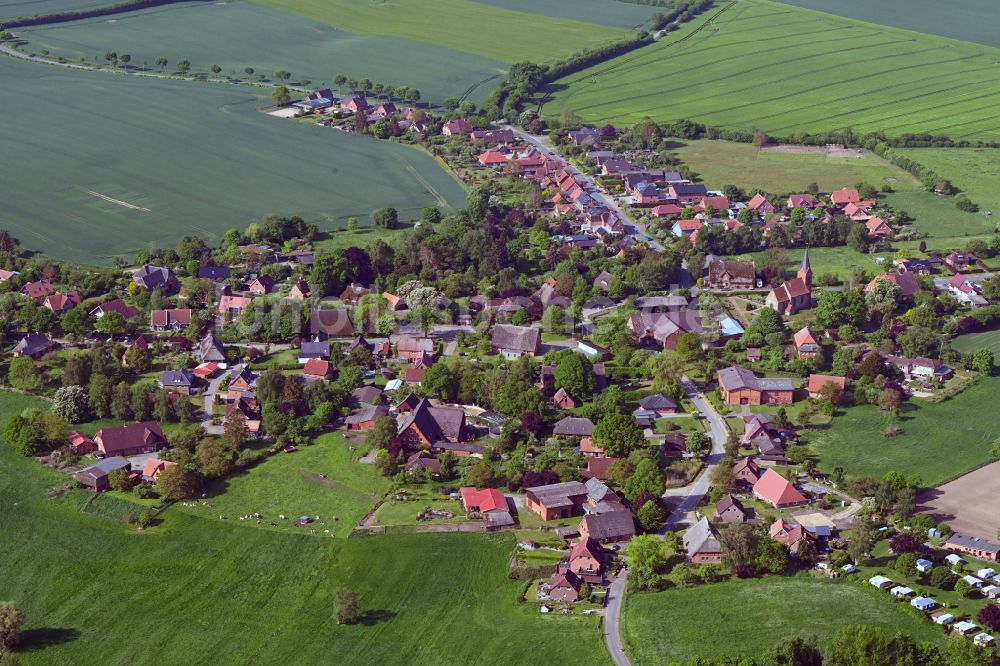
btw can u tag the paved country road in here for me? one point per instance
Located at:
(612, 632)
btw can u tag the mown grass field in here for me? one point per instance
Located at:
(976, 171)
(970, 20)
(970, 342)
(939, 441)
(721, 163)
(486, 30)
(749, 617)
(200, 158)
(785, 69)
(228, 34)
(90, 586)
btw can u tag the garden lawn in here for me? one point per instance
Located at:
(290, 484)
(463, 25)
(970, 342)
(254, 595)
(784, 70)
(971, 20)
(228, 35)
(749, 617)
(939, 441)
(720, 163)
(145, 162)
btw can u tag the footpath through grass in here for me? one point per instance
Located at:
(939, 441)
(749, 617)
(784, 69)
(89, 586)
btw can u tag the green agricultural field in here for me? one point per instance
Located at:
(749, 617)
(141, 161)
(318, 480)
(970, 20)
(463, 25)
(719, 163)
(10, 9)
(976, 171)
(89, 585)
(784, 69)
(970, 342)
(616, 13)
(227, 34)
(939, 441)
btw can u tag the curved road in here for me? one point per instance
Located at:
(693, 493)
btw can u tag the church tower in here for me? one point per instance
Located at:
(805, 270)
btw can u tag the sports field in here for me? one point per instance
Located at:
(749, 617)
(939, 441)
(785, 69)
(136, 161)
(970, 20)
(487, 30)
(228, 34)
(97, 592)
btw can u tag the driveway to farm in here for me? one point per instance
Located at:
(693, 493)
(209, 399)
(612, 630)
(593, 188)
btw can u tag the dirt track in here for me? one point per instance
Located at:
(970, 504)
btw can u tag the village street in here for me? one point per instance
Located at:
(592, 187)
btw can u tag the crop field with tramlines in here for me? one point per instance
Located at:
(773, 66)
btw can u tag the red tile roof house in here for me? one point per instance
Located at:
(428, 425)
(907, 283)
(817, 382)
(493, 159)
(490, 504)
(659, 403)
(558, 500)
(170, 320)
(731, 274)
(740, 386)
(151, 470)
(731, 510)
(840, 198)
(81, 443)
(129, 440)
(60, 302)
(563, 587)
(746, 471)
(37, 289)
(777, 491)
(316, 368)
(790, 534)
(761, 206)
(234, 306)
(299, 291)
(116, 305)
(331, 323)
(414, 348)
(563, 400)
(701, 544)
(456, 127)
(806, 343)
(364, 419)
(802, 201)
(598, 468)
(516, 341)
(586, 559)
(261, 285)
(878, 228)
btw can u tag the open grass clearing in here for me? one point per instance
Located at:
(253, 594)
(228, 34)
(785, 69)
(200, 157)
(463, 25)
(970, 20)
(749, 617)
(939, 441)
(970, 342)
(975, 171)
(721, 163)
(322, 480)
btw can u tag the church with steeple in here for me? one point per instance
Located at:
(795, 294)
